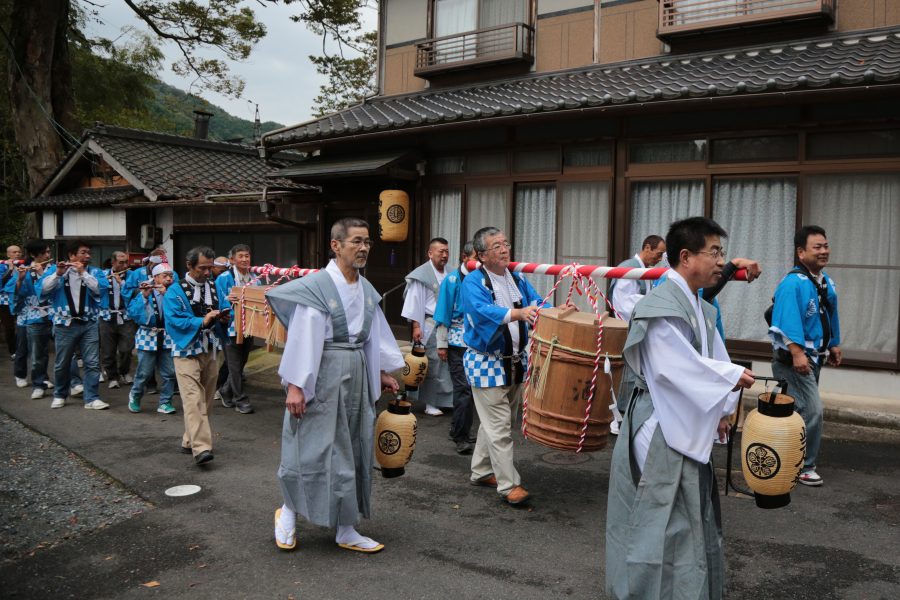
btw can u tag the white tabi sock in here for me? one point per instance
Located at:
(287, 521)
(347, 534)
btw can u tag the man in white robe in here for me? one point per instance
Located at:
(419, 303)
(663, 537)
(336, 360)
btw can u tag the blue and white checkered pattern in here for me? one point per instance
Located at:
(145, 339)
(62, 315)
(455, 334)
(205, 341)
(4, 299)
(484, 370)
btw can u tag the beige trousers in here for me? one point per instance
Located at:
(497, 407)
(197, 386)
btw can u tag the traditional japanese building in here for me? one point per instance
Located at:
(582, 126)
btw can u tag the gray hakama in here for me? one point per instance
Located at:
(663, 523)
(437, 389)
(327, 457)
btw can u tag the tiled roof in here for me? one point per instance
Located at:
(172, 166)
(835, 61)
(82, 198)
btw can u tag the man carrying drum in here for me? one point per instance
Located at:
(499, 308)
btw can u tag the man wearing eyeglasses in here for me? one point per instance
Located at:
(806, 332)
(663, 520)
(336, 362)
(499, 307)
(419, 303)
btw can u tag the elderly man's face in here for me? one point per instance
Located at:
(14, 253)
(496, 257)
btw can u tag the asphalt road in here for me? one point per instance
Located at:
(444, 538)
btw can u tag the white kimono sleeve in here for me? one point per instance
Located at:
(625, 295)
(382, 352)
(690, 393)
(414, 306)
(303, 350)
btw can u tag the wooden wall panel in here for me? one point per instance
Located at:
(399, 64)
(565, 41)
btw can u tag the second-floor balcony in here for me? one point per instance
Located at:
(678, 18)
(500, 44)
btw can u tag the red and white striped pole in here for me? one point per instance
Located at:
(592, 271)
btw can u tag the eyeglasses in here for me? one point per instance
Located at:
(500, 245)
(358, 242)
(717, 253)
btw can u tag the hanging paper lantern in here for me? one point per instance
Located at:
(395, 436)
(773, 447)
(415, 368)
(393, 215)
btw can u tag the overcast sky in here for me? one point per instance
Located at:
(278, 74)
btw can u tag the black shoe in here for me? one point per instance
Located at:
(245, 408)
(464, 448)
(185, 450)
(203, 457)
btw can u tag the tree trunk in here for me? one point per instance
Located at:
(40, 84)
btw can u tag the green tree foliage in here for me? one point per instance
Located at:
(350, 80)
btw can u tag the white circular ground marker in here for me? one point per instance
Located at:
(182, 490)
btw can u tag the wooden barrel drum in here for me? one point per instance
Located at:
(560, 372)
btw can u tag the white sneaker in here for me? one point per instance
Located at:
(614, 427)
(433, 411)
(20, 382)
(128, 379)
(96, 405)
(102, 377)
(113, 384)
(48, 385)
(77, 390)
(58, 403)
(37, 393)
(810, 478)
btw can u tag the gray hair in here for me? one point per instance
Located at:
(120, 252)
(479, 239)
(193, 255)
(467, 249)
(340, 227)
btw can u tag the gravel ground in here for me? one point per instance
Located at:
(48, 494)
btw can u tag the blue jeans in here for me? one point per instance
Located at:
(84, 335)
(38, 335)
(805, 390)
(20, 366)
(148, 361)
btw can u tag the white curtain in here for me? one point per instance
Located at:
(535, 238)
(657, 204)
(861, 217)
(502, 12)
(583, 230)
(759, 216)
(446, 219)
(451, 17)
(487, 206)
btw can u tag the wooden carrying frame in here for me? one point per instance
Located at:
(254, 317)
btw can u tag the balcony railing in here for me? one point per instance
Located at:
(493, 45)
(685, 17)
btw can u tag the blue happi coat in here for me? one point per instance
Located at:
(147, 313)
(795, 317)
(484, 330)
(60, 311)
(448, 311)
(184, 327)
(24, 302)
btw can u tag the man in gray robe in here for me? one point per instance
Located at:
(663, 535)
(419, 304)
(339, 349)
(624, 294)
